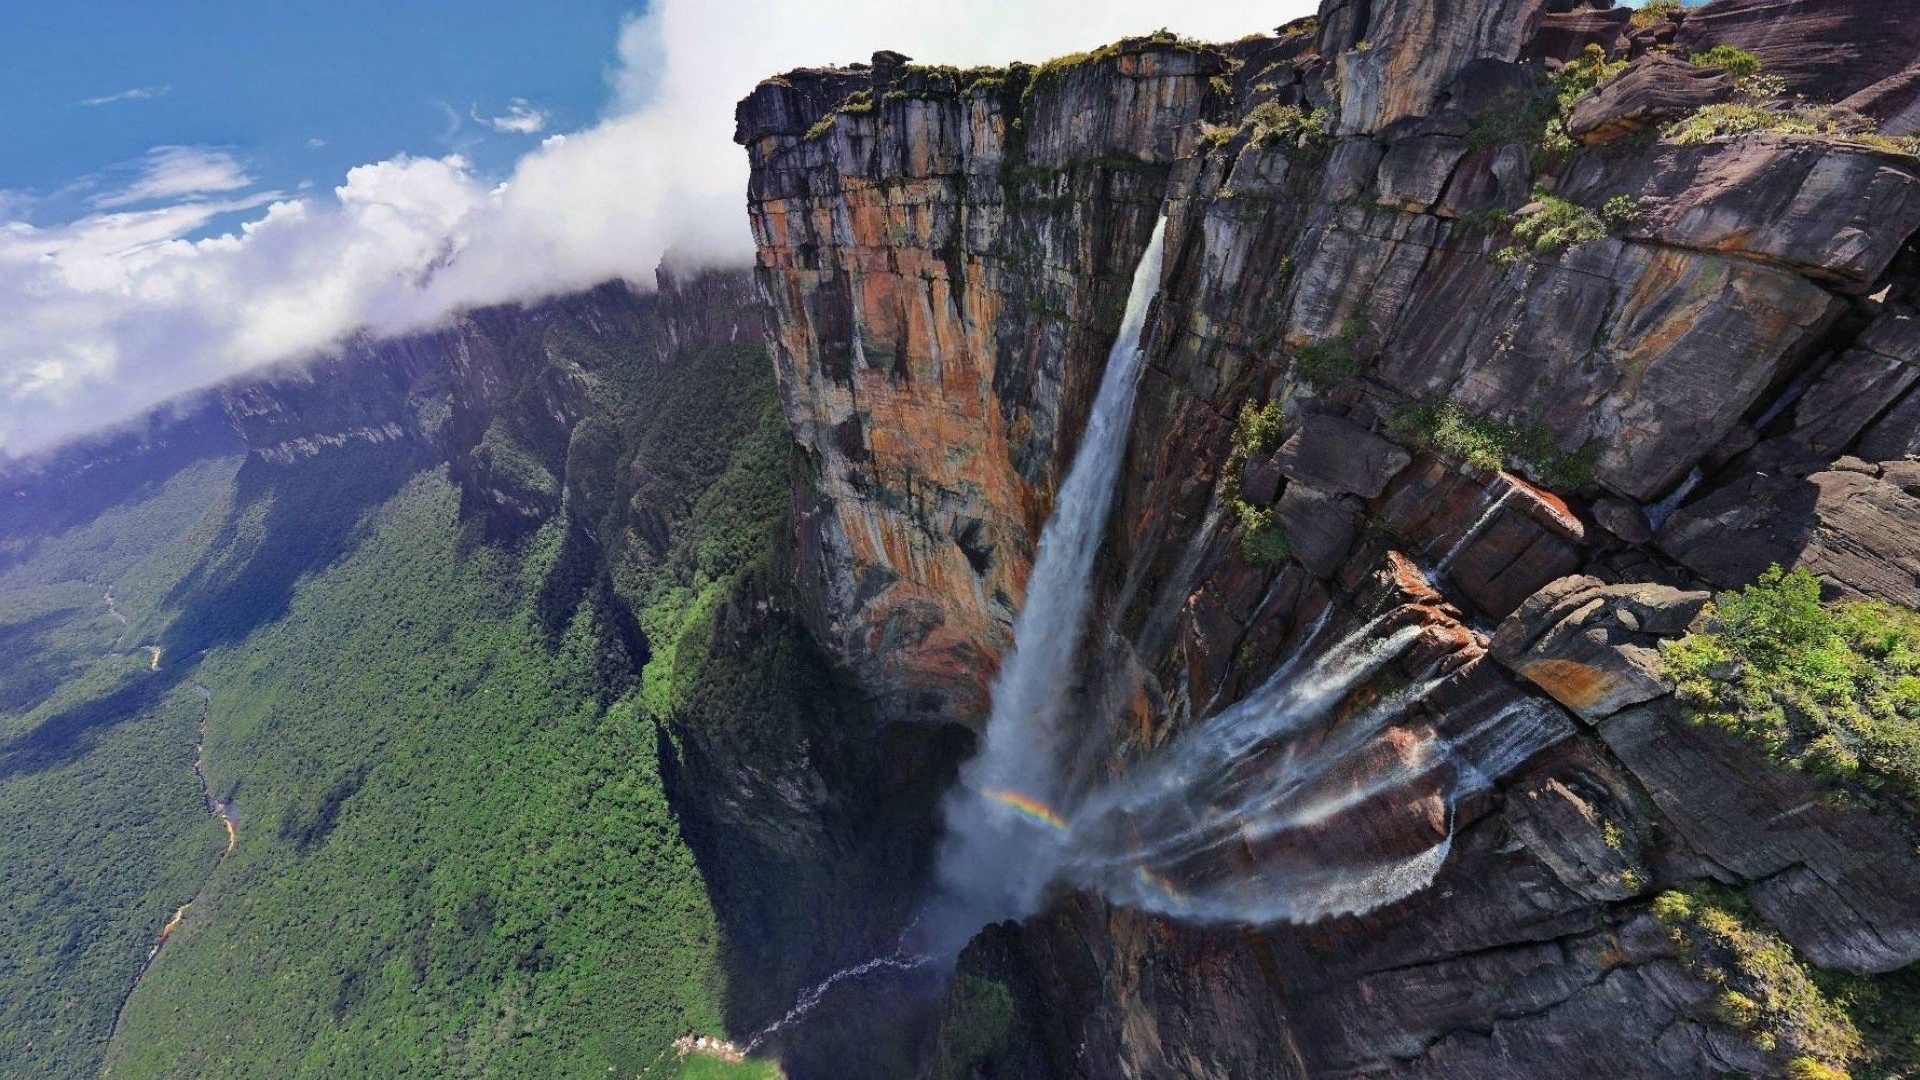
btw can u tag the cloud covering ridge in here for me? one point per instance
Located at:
(129, 305)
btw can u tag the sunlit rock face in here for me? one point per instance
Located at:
(1716, 375)
(946, 268)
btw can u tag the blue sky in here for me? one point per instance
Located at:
(292, 90)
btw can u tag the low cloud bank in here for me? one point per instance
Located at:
(117, 311)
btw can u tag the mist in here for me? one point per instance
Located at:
(118, 310)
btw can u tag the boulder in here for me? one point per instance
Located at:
(1414, 172)
(1593, 646)
(1493, 178)
(1859, 531)
(1826, 50)
(1893, 103)
(1319, 527)
(1896, 435)
(1260, 482)
(1623, 519)
(1564, 35)
(1860, 385)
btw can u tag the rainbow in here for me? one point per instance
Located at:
(1027, 806)
(1159, 883)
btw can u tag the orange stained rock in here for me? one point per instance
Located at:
(1548, 509)
(1411, 581)
(1570, 682)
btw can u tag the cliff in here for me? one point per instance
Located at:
(1497, 313)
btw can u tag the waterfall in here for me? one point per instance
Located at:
(1232, 821)
(1445, 565)
(1178, 832)
(811, 998)
(1000, 852)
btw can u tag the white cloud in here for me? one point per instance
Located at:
(521, 118)
(172, 172)
(138, 93)
(111, 314)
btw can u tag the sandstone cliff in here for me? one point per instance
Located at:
(1683, 349)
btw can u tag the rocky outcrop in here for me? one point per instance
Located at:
(1851, 525)
(1893, 103)
(1654, 89)
(1339, 457)
(1381, 82)
(1544, 448)
(1593, 646)
(1831, 212)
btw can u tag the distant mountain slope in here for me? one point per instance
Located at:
(471, 838)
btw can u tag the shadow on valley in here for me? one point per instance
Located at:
(37, 665)
(810, 874)
(69, 733)
(286, 522)
(74, 486)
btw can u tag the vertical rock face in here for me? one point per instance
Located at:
(1482, 421)
(947, 255)
(1824, 50)
(1383, 80)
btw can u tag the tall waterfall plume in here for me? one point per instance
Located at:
(1245, 816)
(1002, 845)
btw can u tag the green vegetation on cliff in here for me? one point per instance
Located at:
(1830, 688)
(1823, 1025)
(1764, 988)
(1449, 429)
(1257, 433)
(978, 1032)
